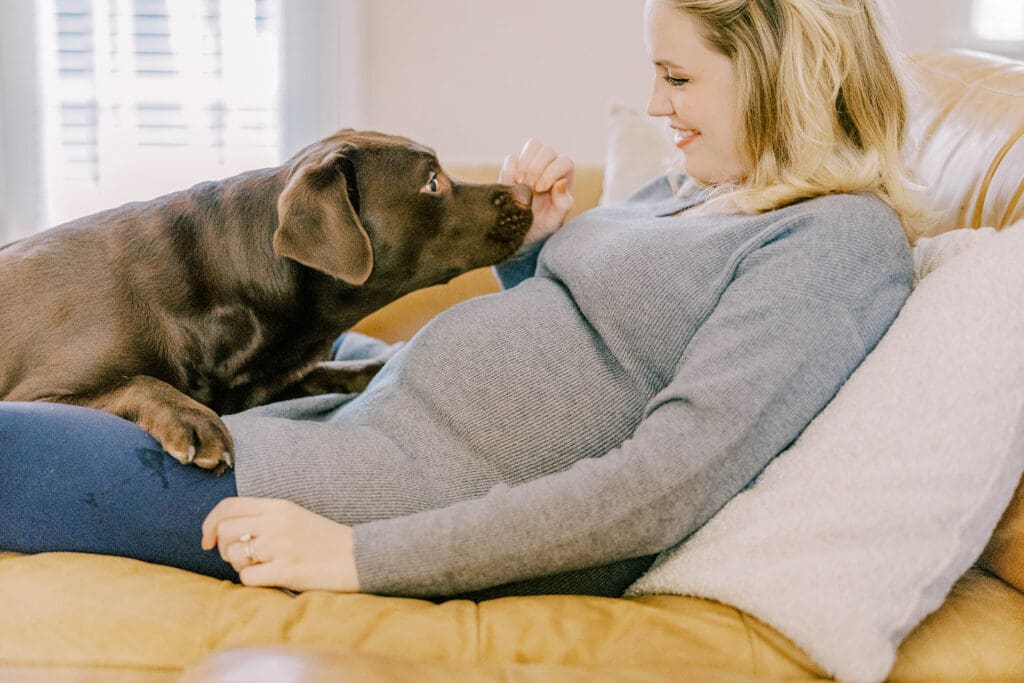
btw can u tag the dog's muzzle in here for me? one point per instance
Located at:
(522, 195)
(514, 215)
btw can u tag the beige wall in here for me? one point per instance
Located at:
(474, 78)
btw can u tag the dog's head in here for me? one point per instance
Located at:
(363, 204)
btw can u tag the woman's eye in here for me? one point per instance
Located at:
(675, 82)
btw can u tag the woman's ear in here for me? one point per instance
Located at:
(318, 225)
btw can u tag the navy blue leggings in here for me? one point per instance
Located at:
(82, 480)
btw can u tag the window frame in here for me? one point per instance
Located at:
(22, 185)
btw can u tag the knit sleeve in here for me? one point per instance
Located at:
(798, 315)
(517, 268)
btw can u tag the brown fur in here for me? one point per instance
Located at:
(229, 294)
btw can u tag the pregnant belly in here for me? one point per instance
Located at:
(512, 385)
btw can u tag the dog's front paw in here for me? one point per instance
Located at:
(188, 430)
(194, 436)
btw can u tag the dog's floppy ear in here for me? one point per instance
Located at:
(318, 226)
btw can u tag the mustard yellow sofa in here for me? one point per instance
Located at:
(77, 617)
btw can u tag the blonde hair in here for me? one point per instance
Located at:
(822, 99)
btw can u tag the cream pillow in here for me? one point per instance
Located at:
(638, 148)
(931, 252)
(853, 535)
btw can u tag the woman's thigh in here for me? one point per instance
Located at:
(77, 479)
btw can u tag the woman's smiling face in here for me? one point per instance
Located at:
(695, 89)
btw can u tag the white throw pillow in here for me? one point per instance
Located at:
(858, 531)
(638, 148)
(931, 252)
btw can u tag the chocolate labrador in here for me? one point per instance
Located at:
(229, 294)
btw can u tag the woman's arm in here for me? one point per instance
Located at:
(521, 265)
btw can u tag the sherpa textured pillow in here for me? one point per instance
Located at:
(853, 535)
(638, 148)
(1004, 554)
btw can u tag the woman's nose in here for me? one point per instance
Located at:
(658, 104)
(658, 107)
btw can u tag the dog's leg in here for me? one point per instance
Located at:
(349, 376)
(185, 428)
(334, 377)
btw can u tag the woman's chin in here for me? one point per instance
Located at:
(695, 172)
(704, 175)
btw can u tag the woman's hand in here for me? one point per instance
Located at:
(550, 176)
(274, 542)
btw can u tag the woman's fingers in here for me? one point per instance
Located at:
(248, 549)
(228, 509)
(264, 574)
(241, 554)
(537, 166)
(563, 195)
(234, 531)
(533, 164)
(559, 167)
(509, 168)
(213, 519)
(225, 509)
(526, 155)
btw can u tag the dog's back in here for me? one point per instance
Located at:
(54, 286)
(150, 287)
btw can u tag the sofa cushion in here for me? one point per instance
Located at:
(89, 613)
(273, 664)
(858, 531)
(78, 610)
(1004, 555)
(965, 139)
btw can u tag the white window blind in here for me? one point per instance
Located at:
(144, 97)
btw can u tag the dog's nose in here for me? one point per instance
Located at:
(522, 195)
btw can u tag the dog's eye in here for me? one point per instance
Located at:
(432, 185)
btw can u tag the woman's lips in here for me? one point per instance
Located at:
(685, 137)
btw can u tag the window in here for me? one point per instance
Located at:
(186, 89)
(108, 101)
(998, 20)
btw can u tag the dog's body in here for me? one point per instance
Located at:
(229, 294)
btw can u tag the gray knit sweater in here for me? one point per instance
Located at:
(555, 436)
